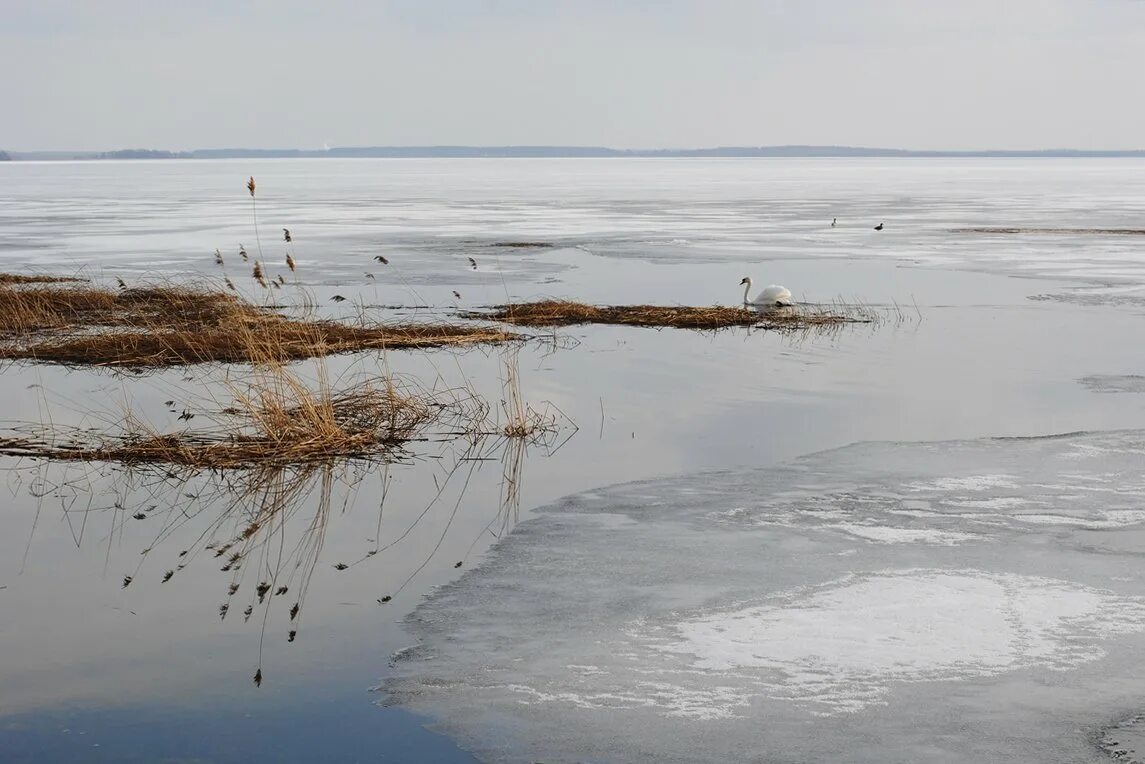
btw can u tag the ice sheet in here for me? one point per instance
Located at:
(849, 606)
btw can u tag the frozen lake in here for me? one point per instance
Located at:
(915, 541)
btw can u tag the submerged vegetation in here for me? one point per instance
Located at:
(567, 313)
(169, 325)
(1046, 230)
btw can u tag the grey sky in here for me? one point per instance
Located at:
(962, 74)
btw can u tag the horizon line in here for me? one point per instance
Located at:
(556, 151)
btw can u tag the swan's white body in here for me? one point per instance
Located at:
(771, 295)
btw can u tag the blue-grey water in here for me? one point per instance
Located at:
(983, 335)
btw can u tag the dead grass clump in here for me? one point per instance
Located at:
(275, 420)
(26, 309)
(566, 313)
(175, 325)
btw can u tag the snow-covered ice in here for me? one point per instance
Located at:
(962, 601)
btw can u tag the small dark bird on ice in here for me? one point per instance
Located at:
(834, 221)
(338, 298)
(879, 227)
(381, 259)
(473, 263)
(457, 294)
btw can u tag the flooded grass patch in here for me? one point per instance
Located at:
(170, 325)
(567, 313)
(282, 424)
(31, 278)
(1047, 230)
(274, 418)
(523, 244)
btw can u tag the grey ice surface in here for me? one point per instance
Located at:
(953, 601)
(1114, 383)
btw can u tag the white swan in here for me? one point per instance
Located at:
(771, 295)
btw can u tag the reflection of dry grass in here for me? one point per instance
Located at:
(565, 312)
(172, 325)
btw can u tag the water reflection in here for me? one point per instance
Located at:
(257, 534)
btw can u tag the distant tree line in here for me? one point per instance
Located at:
(143, 154)
(4, 157)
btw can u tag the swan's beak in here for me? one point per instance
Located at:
(742, 282)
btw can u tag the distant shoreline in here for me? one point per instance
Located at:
(562, 152)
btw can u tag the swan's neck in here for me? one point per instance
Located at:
(746, 289)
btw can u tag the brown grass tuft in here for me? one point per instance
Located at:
(275, 420)
(566, 313)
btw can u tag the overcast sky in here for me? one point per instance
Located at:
(961, 74)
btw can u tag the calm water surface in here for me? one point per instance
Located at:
(982, 335)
